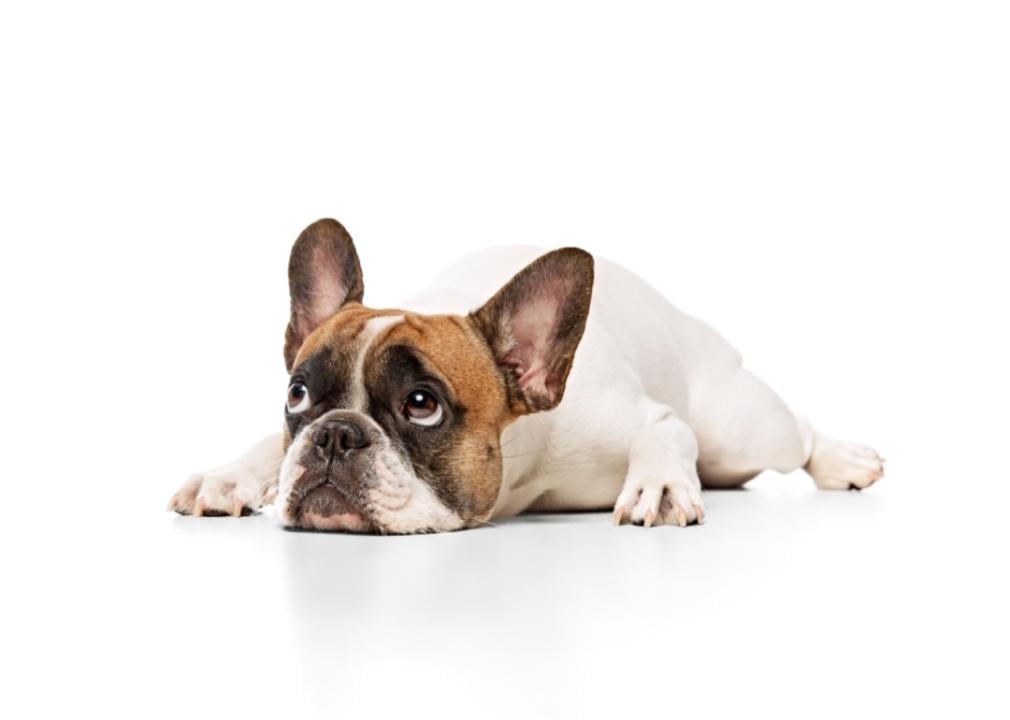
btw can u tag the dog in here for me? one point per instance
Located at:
(519, 381)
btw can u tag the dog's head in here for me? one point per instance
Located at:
(394, 418)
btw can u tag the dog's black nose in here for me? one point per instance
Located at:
(350, 436)
(340, 436)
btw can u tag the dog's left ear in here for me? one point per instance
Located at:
(534, 324)
(323, 274)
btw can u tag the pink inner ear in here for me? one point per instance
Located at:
(327, 294)
(532, 329)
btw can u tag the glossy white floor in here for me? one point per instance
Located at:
(788, 601)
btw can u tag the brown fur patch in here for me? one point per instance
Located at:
(462, 462)
(340, 331)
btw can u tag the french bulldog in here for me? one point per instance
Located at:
(518, 381)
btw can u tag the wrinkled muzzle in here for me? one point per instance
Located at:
(342, 474)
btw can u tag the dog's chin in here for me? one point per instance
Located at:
(325, 509)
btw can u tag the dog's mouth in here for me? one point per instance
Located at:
(325, 508)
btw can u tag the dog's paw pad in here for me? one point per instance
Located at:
(837, 465)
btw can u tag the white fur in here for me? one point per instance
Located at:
(372, 328)
(403, 503)
(290, 471)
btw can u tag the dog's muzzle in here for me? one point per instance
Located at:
(328, 493)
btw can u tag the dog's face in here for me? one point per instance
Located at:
(393, 418)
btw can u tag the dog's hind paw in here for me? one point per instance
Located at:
(837, 465)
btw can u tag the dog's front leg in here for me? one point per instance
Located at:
(662, 485)
(238, 488)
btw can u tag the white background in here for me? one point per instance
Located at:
(825, 183)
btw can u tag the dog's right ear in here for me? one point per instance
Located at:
(323, 274)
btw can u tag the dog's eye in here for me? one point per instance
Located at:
(422, 408)
(298, 398)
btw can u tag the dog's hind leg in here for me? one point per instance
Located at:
(744, 428)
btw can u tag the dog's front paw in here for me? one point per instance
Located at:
(649, 501)
(231, 490)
